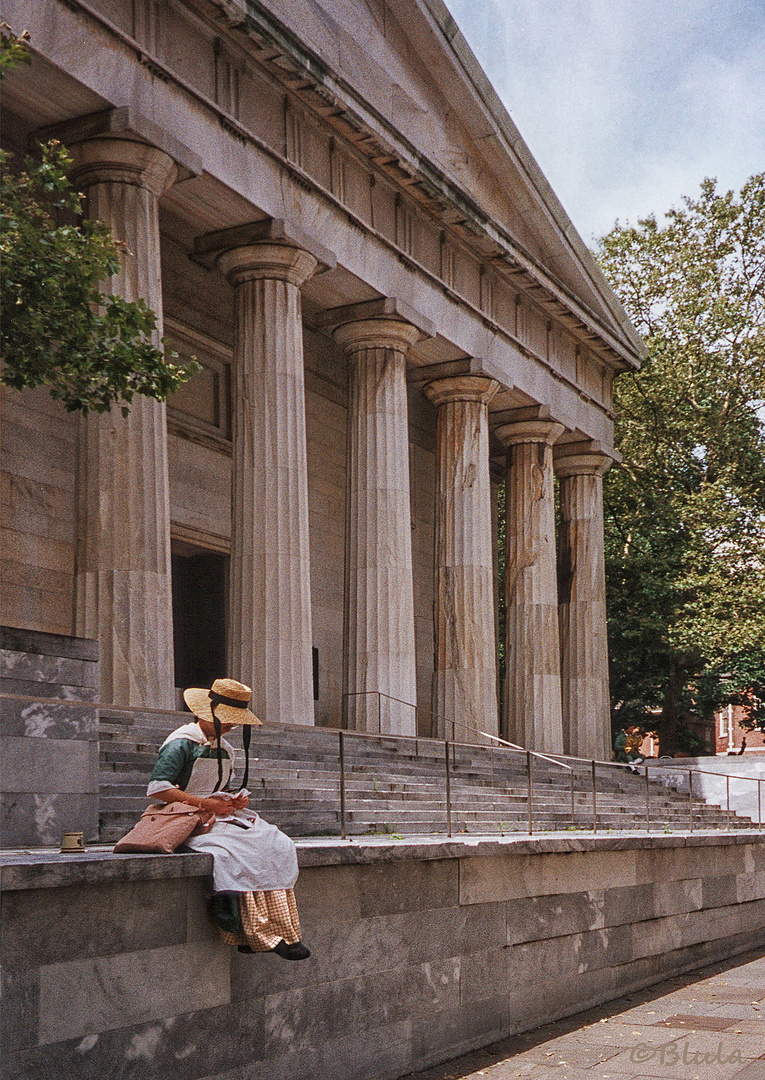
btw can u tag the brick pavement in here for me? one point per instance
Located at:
(706, 1025)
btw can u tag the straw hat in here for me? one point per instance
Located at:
(230, 699)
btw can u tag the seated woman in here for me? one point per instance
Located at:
(254, 864)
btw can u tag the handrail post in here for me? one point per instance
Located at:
(647, 802)
(727, 798)
(341, 740)
(690, 801)
(448, 790)
(573, 805)
(594, 800)
(530, 779)
(759, 803)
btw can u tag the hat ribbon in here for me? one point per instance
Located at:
(234, 703)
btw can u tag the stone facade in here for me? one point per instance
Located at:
(48, 751)
(420, 953)
(326, 205)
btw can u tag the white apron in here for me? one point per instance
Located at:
(249, 856)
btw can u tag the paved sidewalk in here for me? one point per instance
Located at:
(707, 1025)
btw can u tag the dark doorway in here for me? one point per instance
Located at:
(199, 615)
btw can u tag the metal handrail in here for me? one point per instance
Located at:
(495, 742)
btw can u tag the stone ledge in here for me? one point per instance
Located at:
(35, 641)
(47, 868)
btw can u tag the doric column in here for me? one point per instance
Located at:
(532, 696)
(465, 676)
(380, 672)
(582, 599)
(270, 595)
(123, 595)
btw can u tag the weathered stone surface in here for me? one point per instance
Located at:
(380, 673)
(495, 878)
(186, 1046)
(631, 904)
(38, 719)
(551, 916)
(465, 676)
(388, 996)
(19, 1016)
(43, 766)
(31, 641)
(37, 819)
(483, 1022)
(123, 549)
(36, 667)
(532, 693)
(385, 889)
(88, 996)
(402, 974)
(49, 926)
(582, 610)
(270, 594)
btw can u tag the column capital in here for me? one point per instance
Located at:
(276, 262)
(242, 248)
(376, 334)
(122, 124)
(529, 431)
(582, 459)
(122, 161)
(386, 323)
(463, 388)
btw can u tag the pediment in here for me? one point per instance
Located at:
(406, 61)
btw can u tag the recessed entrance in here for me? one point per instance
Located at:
(199, 615)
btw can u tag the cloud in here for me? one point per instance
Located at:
(627, 104)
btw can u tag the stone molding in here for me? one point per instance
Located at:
(465, 388)
(529, 431)
(209, 248)
(274, 262)
(583, 465)
(356, 337)
(385, 309)
(122, 161)
(122, 124)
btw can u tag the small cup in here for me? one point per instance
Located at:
(72, 842)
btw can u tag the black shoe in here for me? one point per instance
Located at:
(245, 949)
(297, 951)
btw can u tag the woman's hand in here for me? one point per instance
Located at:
(219, 805)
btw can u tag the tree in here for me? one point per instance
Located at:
(58, 328)
(685, 515)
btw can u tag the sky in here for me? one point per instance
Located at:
(627, 104)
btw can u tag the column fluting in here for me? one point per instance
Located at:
(270, 639)
(532, 690)
(582, 610)
(123, 570)
(380, 671)
(465, 674)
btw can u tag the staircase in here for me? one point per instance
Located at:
(393, 786)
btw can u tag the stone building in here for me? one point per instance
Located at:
(327, 205)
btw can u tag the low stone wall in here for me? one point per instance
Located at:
(420, 951)
(48, 752)
(739, 788)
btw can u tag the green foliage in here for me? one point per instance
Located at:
(13, 49)
(58, 328)
(685, 515)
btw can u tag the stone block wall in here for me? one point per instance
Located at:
(37, 450)
(48, 752)
(420, 952)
